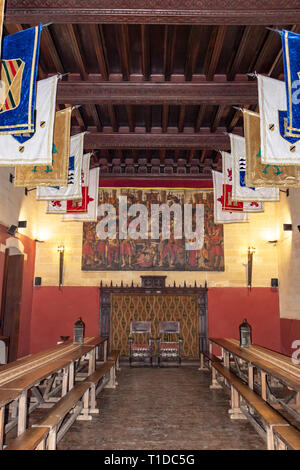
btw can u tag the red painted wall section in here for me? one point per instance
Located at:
(227, 307)
(290, 331)
(55, 310)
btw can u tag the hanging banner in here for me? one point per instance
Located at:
(73, 188)
(263, 174)
(63, 207)
(291, 62)
(228, 204)
(92, 213)
(56, 173)
(240, 192)
(36, 149)
(20, 56)
(277, 147)
(220, 216)
(2, 3)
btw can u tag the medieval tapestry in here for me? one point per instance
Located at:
(152, 247)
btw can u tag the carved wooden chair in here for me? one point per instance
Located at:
(169, 341)
(144, 349)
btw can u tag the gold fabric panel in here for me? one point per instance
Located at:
(261, 174)
(57, 173)
(154, 307)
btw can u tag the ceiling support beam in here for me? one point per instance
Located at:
(148, 93)
(214, 12)
(166, 140)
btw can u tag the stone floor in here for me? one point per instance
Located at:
(162, 409)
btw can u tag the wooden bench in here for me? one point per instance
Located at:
(210, 357)
(31, 439)
(273, 422)
(74, 405)
(99, 380)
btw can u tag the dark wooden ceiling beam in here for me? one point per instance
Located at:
(76, 52)
(169, 50)
(113, 118)
(146, 51)
(94, 116)
(122, 37)
(100, 50)
(181, 118)
(48, 47)
(200, 117)
(192, 52)
(215, 45)
(147, 93)
(234, 67)
(148, 118)
(130, 116)
(213, 12)
(218, 116)
(167, 140)
(165, 118)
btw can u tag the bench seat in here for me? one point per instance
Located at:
(31, 439)
(72, 401)
(275, 423)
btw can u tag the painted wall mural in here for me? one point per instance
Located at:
(145, 253)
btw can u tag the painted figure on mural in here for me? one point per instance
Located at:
(155, 254)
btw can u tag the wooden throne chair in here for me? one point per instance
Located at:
(169, 342)
(140, 350)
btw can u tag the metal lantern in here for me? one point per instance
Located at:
(78, 331)
(245, 334)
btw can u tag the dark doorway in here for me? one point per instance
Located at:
(11, 301)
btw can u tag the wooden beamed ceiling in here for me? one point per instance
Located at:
(163, 89)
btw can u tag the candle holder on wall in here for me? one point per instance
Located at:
(251, 252)
(61, 251)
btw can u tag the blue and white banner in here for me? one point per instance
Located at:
(37, 148)
(20, 56)
(277, 147)
(240, 192)
(291, 61)
(73, 189)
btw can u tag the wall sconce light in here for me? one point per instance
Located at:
(287, 227)
(251, 251)
(298, 227)
(12, 229)
(22, 223)
(61, 250)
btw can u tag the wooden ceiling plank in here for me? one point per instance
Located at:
(218, 115)
(92, 111)
(165, 117)
(100, 50)
(234, 68)
(220, 32)
(192, 52)
(76, 52)
(148, 118)
(48, 44)
(146, 51)
(169, 50)
(181, 118)
(230, 127)
(123, 48)
(200, 117)
(77, 114)
(130, 116)
(113, 118)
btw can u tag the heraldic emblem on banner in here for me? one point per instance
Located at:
(11, 76)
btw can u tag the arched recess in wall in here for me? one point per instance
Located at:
(14, 246)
